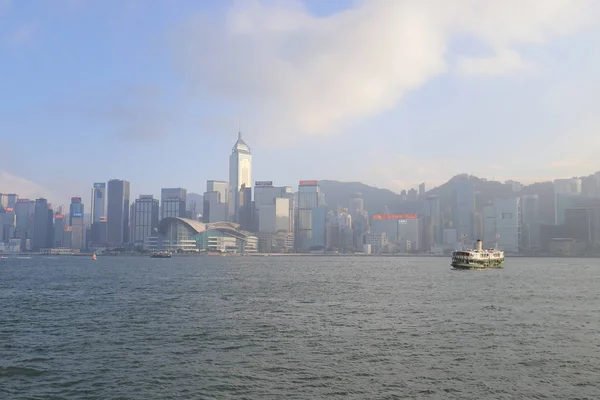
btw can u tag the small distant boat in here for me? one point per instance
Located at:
(478, 258)
(94, 257)
(160, 254)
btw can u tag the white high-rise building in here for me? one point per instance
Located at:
(240, 175)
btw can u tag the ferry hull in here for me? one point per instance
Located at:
(457, 265)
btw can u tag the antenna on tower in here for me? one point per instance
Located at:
(239, 127)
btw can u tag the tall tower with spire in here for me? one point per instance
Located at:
(240, 175)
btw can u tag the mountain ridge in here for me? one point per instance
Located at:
(379, 200)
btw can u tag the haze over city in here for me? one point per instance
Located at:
(283, 199)
(387, 93)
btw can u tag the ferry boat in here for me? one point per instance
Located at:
(160, 254)
(478, 258)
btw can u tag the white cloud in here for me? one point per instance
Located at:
(291, 74)
(10, 183)
(505, 62)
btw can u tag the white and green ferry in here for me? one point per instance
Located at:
(478, 258)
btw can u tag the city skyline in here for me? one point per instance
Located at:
(158, 193)
(560, 218)
(403, 108)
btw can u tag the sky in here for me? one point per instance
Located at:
(389, 93)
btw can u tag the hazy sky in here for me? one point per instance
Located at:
(390, 92)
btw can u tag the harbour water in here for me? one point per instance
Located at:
(298, 327)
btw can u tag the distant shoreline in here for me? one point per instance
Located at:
(176, 255)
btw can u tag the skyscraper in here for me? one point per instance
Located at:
(98, 202)
(117, 213)
(50, 230)
(40, 225)
(508, 223)
(360, 219)
(412, 195)
(77, 224)
(221, 187)
(144, 220)
(7, 224)
(240, 173)
(308, 201)
(24, 212)
(214, 207)
(173, 201)
(265, 194)
(463, 209)
(435, 220)
(75, 209)
(11, 200)
(59, 229)
(245, 210)
(422, 190)
(356, 204)
(566, 193)
(98, 233)
(530, 214)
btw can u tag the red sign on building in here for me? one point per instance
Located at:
(309, 183)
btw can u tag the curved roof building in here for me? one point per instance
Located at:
(190, 235)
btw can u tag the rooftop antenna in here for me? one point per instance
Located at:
(239, 127)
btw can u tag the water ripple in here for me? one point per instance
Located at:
(296, 328)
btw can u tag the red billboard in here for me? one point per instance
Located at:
(9, 209)
(75, 199)
(395, 216)
(308, 183)
(59, 216)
